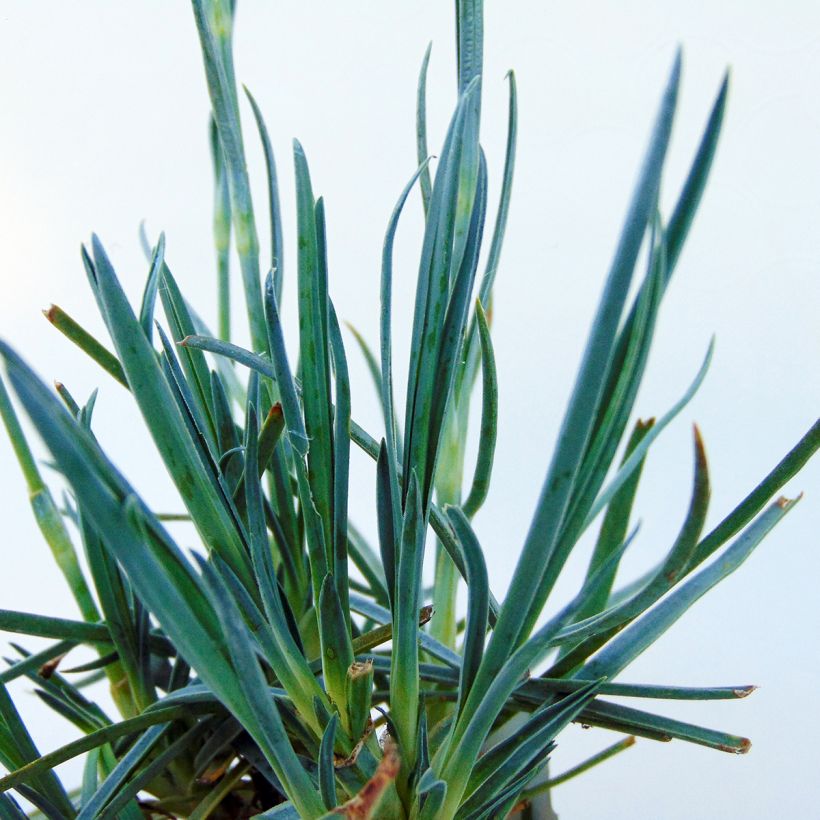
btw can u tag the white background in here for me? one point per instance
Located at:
(103, 124)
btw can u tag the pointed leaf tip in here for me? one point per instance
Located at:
(700, 448)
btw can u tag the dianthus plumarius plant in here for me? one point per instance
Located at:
(289, 668)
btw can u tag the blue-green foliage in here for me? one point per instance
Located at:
(255, 675)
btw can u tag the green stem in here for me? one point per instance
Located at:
(46, 514)
(214, 24)
(222, 235)
(18, 442)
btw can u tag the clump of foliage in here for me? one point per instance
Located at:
(288, 668)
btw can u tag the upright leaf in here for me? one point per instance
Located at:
(214, 25)
(580, 414)
(164, 420)
(277, 244)
(404, 674)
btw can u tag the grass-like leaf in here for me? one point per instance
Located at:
(478, 604)
(673, 567)
(17, 750)
(90, 741)
(337, 651)
(313, 341)
(277, 248)
(221, 232)
(149, 295)
(580, 413)
(634, 640)
(253, 674)
(262, 718)
(164, 420)
(327, 778)
(46, 514)
(616, 522)
(281, 370)
(489, 420)
(610, 751)
(193, 361)
(386, 342)
(119, 776)
(214, 24)
(341, 461)
(404, 677)
(432, 292)
(626, 719)
(636, 457)
(386, 503)
(421, 128)
(86, 342)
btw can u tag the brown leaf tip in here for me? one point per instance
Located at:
(359, 669)
(744, 691)
(744, 747)
(700, 447)
(50, 667)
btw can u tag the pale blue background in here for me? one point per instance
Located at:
(103, 124)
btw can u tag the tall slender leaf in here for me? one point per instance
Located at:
(214, 25)
(277, 245)
(580, 414)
